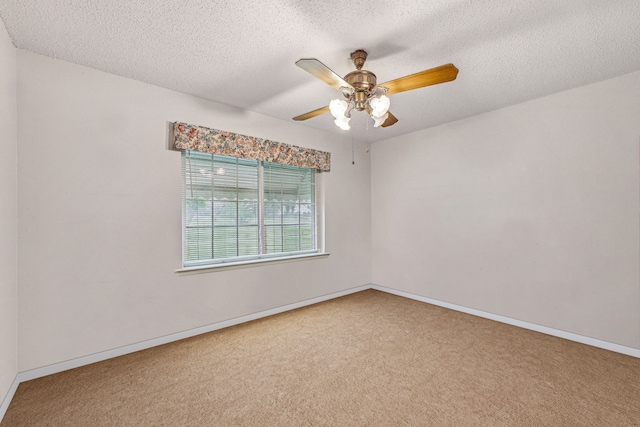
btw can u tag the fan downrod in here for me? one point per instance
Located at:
(359, 57)
(362, 81)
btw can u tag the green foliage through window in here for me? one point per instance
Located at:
(241, 209)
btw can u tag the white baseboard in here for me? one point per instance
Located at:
(104, 355)
(630, 351)
(7, 398)
(120, 351)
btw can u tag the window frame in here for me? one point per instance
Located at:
(249, 260)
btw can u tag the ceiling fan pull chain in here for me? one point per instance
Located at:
(353, 160)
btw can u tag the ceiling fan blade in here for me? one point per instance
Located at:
(312, 114)
(321, 71)
(391, 120)
(433, 76)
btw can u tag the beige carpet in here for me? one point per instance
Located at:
(367, 359)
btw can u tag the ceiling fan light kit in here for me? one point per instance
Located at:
(362, 93)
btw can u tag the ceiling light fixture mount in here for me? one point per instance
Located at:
(362, 92)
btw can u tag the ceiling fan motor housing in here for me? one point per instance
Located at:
(363, 82)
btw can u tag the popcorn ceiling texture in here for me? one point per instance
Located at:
(243, 53)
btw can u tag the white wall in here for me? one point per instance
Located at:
(100, 216)
(8, 215)
(529, 212)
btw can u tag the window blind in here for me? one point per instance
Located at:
(240, 209)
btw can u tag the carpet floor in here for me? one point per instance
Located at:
(366, 359)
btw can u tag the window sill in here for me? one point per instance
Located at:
(245, 264)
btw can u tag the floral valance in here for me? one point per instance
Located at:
(214, 141)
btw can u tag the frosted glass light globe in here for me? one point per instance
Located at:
(343, 123)
(379, 105)
(338, 108)
(378, 121)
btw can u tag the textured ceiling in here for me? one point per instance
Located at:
(243, 53)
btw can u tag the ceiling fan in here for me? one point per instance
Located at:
(362, 93)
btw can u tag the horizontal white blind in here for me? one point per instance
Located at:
(289, 206)
(230, 213)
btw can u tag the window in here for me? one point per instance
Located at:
(238, 209)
